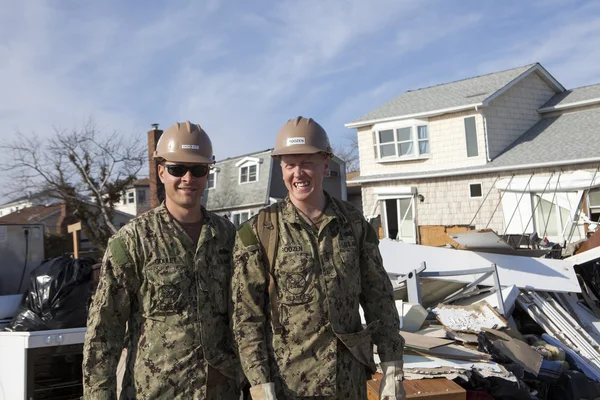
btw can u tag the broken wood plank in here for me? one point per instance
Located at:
(521, 353)
(433, 389)
(417, 341)
(453, 351)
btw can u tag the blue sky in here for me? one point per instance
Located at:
(242, 68)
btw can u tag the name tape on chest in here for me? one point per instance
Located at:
(296, 140)
(292, 249)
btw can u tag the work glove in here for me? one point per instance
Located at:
(391, 384)
(266, 391)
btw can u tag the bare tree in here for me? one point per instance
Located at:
(348, 152)
(85, 169)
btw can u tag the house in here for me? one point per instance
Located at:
(31, 199)
(353, 189)
(52, 216)
(240, 186)
(512, 151)
(136, 198)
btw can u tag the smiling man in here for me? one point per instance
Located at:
(166, 275)
(302, 267)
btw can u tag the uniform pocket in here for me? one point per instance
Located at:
(294, 276)
(166, 290)
(360, 345)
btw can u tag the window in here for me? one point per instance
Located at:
(552, 218)
(471, 137)
(475, 190)
(131, 197)
(401, 142)
(124, 198)
(212, 180)
(239, 218)
(249, 173)
(141, 195)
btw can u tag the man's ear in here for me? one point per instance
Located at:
(161, 172)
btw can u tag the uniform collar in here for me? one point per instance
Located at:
(209, 229)
(290, 214)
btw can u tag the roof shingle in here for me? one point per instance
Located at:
(576, 95)
(448, 95)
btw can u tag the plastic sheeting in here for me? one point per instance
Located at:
(57, 297)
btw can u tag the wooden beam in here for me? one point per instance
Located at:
(75, 229)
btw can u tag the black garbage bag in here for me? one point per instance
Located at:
(57, 297)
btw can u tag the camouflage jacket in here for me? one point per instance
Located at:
(321, 278)
(174, 297)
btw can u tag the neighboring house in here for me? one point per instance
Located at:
(353, 189)
(240, 186)
(512, 151)
(35, 199)
(136, 198)
(55, 219)
(52, 216)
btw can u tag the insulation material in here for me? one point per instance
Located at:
(469, 318)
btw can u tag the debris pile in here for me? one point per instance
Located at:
(508, 327)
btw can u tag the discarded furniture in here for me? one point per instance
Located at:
(414, 286)
(434, 389)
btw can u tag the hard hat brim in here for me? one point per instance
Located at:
(299, 149)
(184, 158)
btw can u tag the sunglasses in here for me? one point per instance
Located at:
(177, 170)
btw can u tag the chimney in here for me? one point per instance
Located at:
(157, 189)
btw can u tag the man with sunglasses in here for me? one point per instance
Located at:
(302, 268)
(166, 276)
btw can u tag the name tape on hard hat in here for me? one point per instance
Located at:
(296, 140)
(190, 146)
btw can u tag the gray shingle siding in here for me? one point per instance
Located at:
(230, 194)
(555, 140)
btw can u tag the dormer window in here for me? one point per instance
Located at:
(212, 179)
(409, 139)
(248, 169)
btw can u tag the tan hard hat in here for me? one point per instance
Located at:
(185, 143)
(301, 136)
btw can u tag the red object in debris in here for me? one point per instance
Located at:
(471, 395)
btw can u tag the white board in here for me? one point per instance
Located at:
(524, 272)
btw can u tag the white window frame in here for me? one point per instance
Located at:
(215, 173)
(248, 162)
(131, 197)
(414, 125)
(469, 188)
(397, 193)
(240, 212)
(401, 218)
(476, 137)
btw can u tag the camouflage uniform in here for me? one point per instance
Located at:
(175, 298)
(321, 277)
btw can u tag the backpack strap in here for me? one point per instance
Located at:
(268, 235)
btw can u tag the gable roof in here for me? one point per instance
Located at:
(452, 97)
(42, 195)
(578, 97)
(567, 139)
(31, 215)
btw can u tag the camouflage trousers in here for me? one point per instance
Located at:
(219, 387)
(351, 381)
